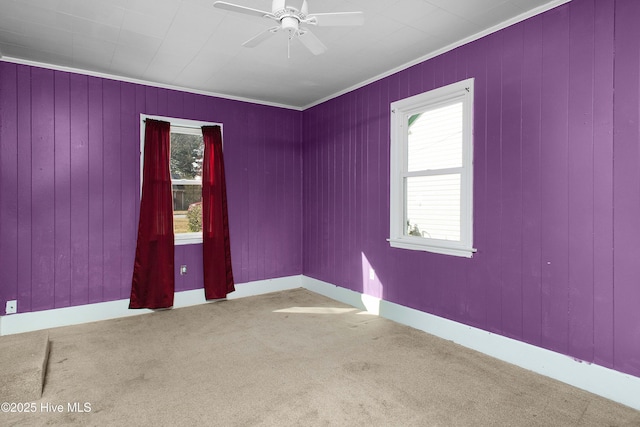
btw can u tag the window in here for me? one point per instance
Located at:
(187, 150)
(431, 178)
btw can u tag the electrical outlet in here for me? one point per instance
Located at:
(11, 307)
(372, 274)
(183, 270)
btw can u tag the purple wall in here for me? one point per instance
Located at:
(556, 187)
(70, 185)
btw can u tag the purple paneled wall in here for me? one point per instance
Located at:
(556, 187)
(70, 186)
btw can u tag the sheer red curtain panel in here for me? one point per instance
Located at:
(216, 248)
(153, 281)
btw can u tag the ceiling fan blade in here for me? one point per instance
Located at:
(311, 42)
(255, 41)
(337, 19)
(242, 9)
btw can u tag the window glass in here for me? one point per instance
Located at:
(435, 138)
(187, 150)
(433, 206)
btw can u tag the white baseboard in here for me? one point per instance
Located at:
(605, 382)
(27, 322)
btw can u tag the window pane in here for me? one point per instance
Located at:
(433, 206)
(186, 156)
(435, 139)
(186, 171)
(187, 208)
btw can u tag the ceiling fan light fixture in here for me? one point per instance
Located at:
(290, 14)
(290, 23)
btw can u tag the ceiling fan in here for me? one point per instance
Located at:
(291, 15)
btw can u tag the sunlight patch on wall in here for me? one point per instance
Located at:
(372, 287)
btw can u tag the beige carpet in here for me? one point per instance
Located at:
(291, 358)
(23, 362)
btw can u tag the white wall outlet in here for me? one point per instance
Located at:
(11, 307)
(183, 270)
(372, 274)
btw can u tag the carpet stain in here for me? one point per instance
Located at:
(137, 380)
(356, 367)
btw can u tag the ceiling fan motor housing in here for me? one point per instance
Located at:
(297, 9)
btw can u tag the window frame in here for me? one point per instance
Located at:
(400, 111)
(186, 124)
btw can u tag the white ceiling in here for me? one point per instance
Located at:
(191, 45)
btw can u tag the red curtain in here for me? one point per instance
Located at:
(153, 272)
(218, 275)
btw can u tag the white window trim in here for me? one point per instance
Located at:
(401, 110)
(182, 238)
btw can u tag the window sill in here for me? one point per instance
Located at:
(426, 247)
(187, 239)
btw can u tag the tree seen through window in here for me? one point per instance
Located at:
(187, 151)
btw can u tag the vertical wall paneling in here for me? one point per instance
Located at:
(175, 105)
(475, 298)
(581, 188)
(531, 181)
(274, 150)
(9, 186)
(554, 179)
(295, 171)
(493, 187)
(338, 190)
(113, 181)
(511, 182)
(79, 185)
(242, 186)
(251, 192)
(463, 292)
(626, 193)
(320, 257)
(376, 198)
(453, 271)
(272, 155)
(70, 189)
(137, 150)
(129, 183)
(603, 184)
(162, 99)
(350, 275)
(257, 192)
(358, 234)
(268, 146)
(311, 213)
(151, 100)
(62, 190)
(556, 186)
(42, 196)
(95, 143)
(23, 165)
